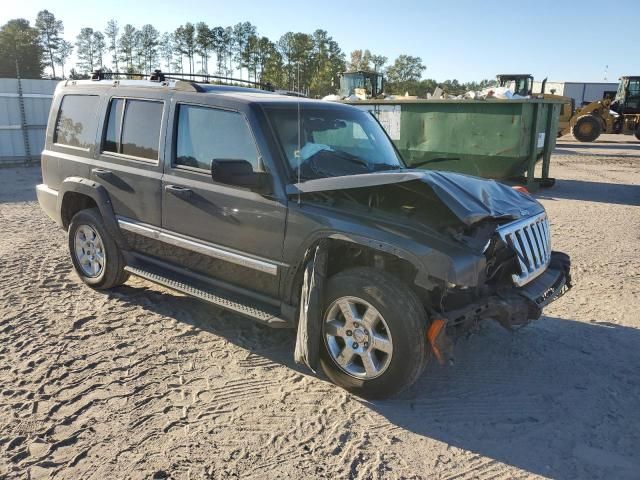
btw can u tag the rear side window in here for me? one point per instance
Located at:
(205, 134)
(76, 122)
(133, 128)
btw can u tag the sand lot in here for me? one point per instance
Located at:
(141, 382)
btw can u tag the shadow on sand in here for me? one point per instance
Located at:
(558, 398)
(618, 145)
(618, 193)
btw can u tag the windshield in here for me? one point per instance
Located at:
(328, 142)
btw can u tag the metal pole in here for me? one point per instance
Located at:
(550, 140)
(23, 119)
(533, 145)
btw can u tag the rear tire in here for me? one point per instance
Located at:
(381, 353)
(637, 132)
(586, 129)
(95, 255)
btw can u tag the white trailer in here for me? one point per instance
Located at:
(581, 92)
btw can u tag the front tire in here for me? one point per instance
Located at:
(373, 333)
(586, 129)
(95, 255)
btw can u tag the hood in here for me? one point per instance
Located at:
(471, 199)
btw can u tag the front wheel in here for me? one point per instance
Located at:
(373, 333)
(586, 129)
(94, 253)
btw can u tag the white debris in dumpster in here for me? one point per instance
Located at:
(502, 93)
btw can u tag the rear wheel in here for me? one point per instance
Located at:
(586, 129)
(95, 255)
(373, 333)
(637, 132)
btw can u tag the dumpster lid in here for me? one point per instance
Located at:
(470, 198)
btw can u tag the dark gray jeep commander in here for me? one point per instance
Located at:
(294, 212)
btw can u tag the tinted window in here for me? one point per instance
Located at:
(112, 137)
(139, 134)
(76, 121)
(205, 134)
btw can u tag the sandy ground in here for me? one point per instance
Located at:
(142, 382)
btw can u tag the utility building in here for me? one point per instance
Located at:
(581, 92)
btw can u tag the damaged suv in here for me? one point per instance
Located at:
(296, 213)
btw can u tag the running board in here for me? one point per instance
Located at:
(224, 299)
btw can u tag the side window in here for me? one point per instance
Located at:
(133, 128)
(76, 122)
(205, 134)
(112, 137)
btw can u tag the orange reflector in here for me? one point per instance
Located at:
(432, 335)
(520, 188)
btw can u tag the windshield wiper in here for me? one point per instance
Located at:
(349, 157)
(432, 160)
(386, 166)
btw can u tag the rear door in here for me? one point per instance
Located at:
(225, 232)
(130, 161)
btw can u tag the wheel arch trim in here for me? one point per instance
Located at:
(96, 192)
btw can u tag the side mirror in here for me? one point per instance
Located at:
(240, 174)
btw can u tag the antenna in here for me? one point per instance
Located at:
(298, 157)
(606, 71)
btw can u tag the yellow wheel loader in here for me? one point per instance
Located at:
(622, 115)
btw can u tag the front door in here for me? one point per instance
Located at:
(229, 233)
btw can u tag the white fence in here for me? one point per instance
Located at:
(24, 110)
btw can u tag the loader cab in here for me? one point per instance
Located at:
(520, 83)
(371, 82)
(627, 98)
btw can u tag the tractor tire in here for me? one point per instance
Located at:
(586, 129)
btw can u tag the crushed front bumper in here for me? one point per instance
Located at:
(515, 307)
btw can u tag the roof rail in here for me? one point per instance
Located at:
(159, 76)
(218, 79)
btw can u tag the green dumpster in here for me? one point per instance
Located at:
(493, 138)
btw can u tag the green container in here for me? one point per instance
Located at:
(498, 139)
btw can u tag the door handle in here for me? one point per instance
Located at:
(178, 191)
(101, 172)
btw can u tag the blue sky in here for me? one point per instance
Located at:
(467, 40)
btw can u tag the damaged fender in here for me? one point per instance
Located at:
(307, 350)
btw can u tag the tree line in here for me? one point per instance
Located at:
(304, 62)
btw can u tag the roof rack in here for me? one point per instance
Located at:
(159, 76)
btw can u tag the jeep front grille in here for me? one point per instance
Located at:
(530, 239)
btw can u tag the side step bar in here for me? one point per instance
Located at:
(224, 299)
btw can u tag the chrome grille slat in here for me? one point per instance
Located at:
(539, 245)
(529, 233)
(542, 239)
(530, 239)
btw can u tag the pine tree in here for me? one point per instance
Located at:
(111, 32)
(20, 50)
(127, 45)
(149, 41)
(64, 52)
(165, 49)
(90, 46)
(50, 31)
